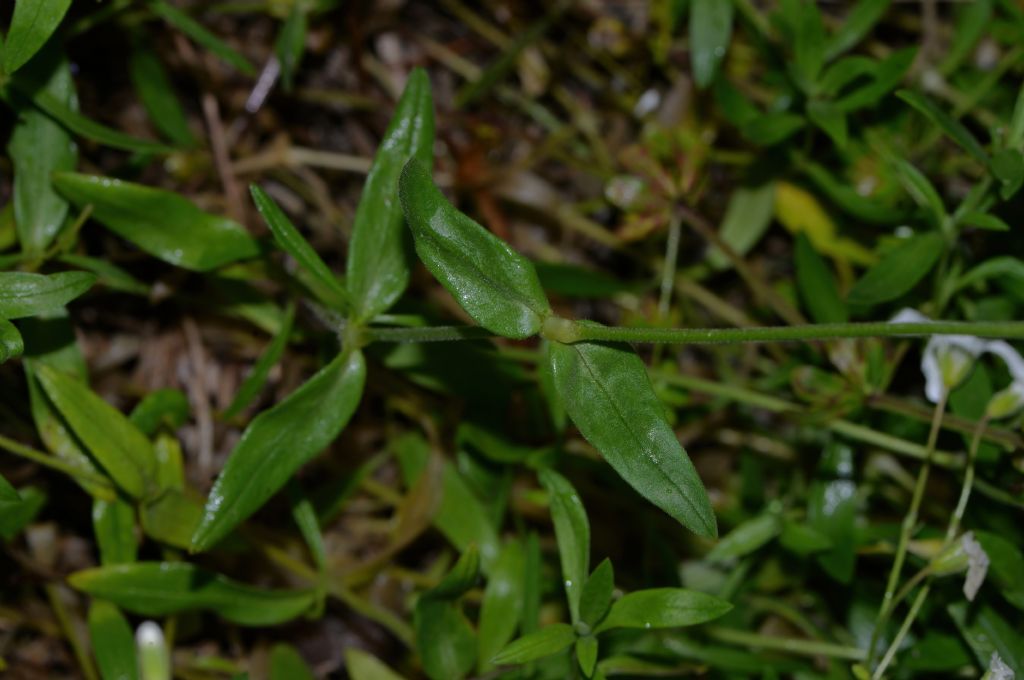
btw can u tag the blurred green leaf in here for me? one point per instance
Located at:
(1006, 564)
(11, 344)
(291, 43)
(572, 531)
(257, 378)
(746, 537)
(980, 220)
(304, 516)
(663, 608)
(113, 642)
(167, 588)
(609, 397)
(364, 666)
(803, 539)
(808, 41)
(898, 271)
(160, 222)
(172, 517)
(746, 219)
(831, 119)
(858, 22)
(113, 523)
(167, 406)
(195, 30)
(537, 645)
(586, 654)
(502, 604)
(107, 273)
(952, 127)
(817, 285)
(579, 282)
(832, 511)
(156, 92)
(8, 494)
(444, 638)
(972, 21)
(887, 75)
(496, 286)
(24, 294)
(986, 631)
(16, 515)
(287, 664)
(710, 33)
(32, 24)
(771, 128)
(597, 593)
(921, 190)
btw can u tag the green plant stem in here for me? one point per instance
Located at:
(907, 528)
(791, 645)
(902, 633)
(67, 626)
(18, 449)
(965, 490)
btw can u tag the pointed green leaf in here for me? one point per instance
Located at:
(11, 344)
(172, 517)
(292, 242)
(886, 76)
(544, 642)
(460, 579)
(16, 515)
(502, 604)
(572, 530)
(107, 273)
(197, 32)
(123, 451)
(155, 90)
(304, 516)
(278, 442)
(663, 608)
(25, 294)
(160, 222)
(257, 377)
(166, 588)
(597, 594)
(831, 119)
(32, 24)
(291, 43)
(898, 271)
(287, 664)
(808, 39)
(857, 24)
(38, 148)
(746, 220)
(167, 407)
(746, 538)
(710, 32)
(113, 522)
(920, 189)
(817, 285)
(8, 494)
(496, 286)
(832, 511)
(586, 654)
(379, 253)
(949, 125)
(986, 631)
(608, 395)
(113, 642)
(365, 666)
(444, 638)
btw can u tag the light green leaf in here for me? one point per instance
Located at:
(166, 588)
(108, 274)
(746, 538)
(496, 286)
(586, 654)
(949, 125)
(278, 442)
(808, 36)
(164, 407)
(379, 253)
(123, 451)
(572, 531)
(898, 271)
(32, 24)
(172, 518)
(502, 604)
(11, 344)
(857, 24)
(597, 594)
(25, 294)
(304, 516)
(746, 220)
(817, 285)
(365, 666)
(113, 522)
(290, 240)
(710, 32)
(609, 397)
(663, 608)
(38, 148)
(287, 664)
(771, 128)
(444, 638)
(195, 30)
(980, 220)
(832, 511)
(160, 222)
(113, 642)
(257, 378)
(544, 642)
(291, 43)
(920, 189)
(155, 90)
(15, 515)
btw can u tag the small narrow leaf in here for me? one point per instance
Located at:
(544, 642)
(496, 286)
(278, 442)
(920, 189)
(817, 285)
(597, 594)
(160, 222)
(291, 43)
(113, 642)
(365, 666)
(304, 516)
(287, 664)
(444, 638)
(586, 654)
(379, 253)
(113, 523)
(663, 608)
(11, 344)
(572, 531)
(952, 127)
(609, 397)
(257, 377)
(8, 494)
(32, 24)
(123, 451)
(291, 241)
(25, 294)
(857, 24)
(898, 271)
(746, 538)
(710, 32)
(195, 30)
(157, 94)
(166, 588)
(832, 511)
(502, 604)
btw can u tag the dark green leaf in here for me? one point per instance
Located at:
(746, 538)
(15, 515)
(380, 251)
(166, 588)
(254, 382)
(32, 24)
(108, 274)
(1006, 564)
(24, 294)
(980, 220)
(167, 406)
(8, 494)
(113, 522)
(710, 32)
(808, 36)
(888, 74)
(817, 285)
(862, 207)
(11, 344)
(858, 22)
(972, 21)
(898, 271)
(496, 286)
(1008, 167)
(986, 632)
(663, 608)
(157, 94)
(113, 642)
(579, 282)
(290, 44)
(597, 594)
(287, 664)
(537, 645)
(304, 515)
(123, 451)
(949, 125)
(572, 530)
(291, 241)
(195, 30)
(802, 539)
(278, 442)
(38, 148)
(160, 222)
(832, 511)
(920, 189)
(609, 397)
(586, 654)
(364, 666)
(444, 638)
(502, 604)
(829, 118)
(771, 128)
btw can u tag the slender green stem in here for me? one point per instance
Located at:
(902, 633)
(426, 334)
(19, 449)
(668, 270)
(907, 528)
(965, 491)
(791, 645)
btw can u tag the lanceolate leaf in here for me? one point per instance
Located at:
(165, 588)
(597, 593)
(278, 442)
(496, 286)
(8, 493)
(816, 284)
(11, 344)
(157, 94)
(710, 30)
(291, 241)
(113, 523)
(855, 26)
(380, 250)
(195, 30)
(364, 666)
(949, 125)
(608, 395)
(25, 294)
(257, 377)
(112, 641)
(160, 222)
(502, 603)
(544, 642)
(123, 451)
(898, 271)
(32, 24)
(572, 530)
(663, 608)
(444, 638)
